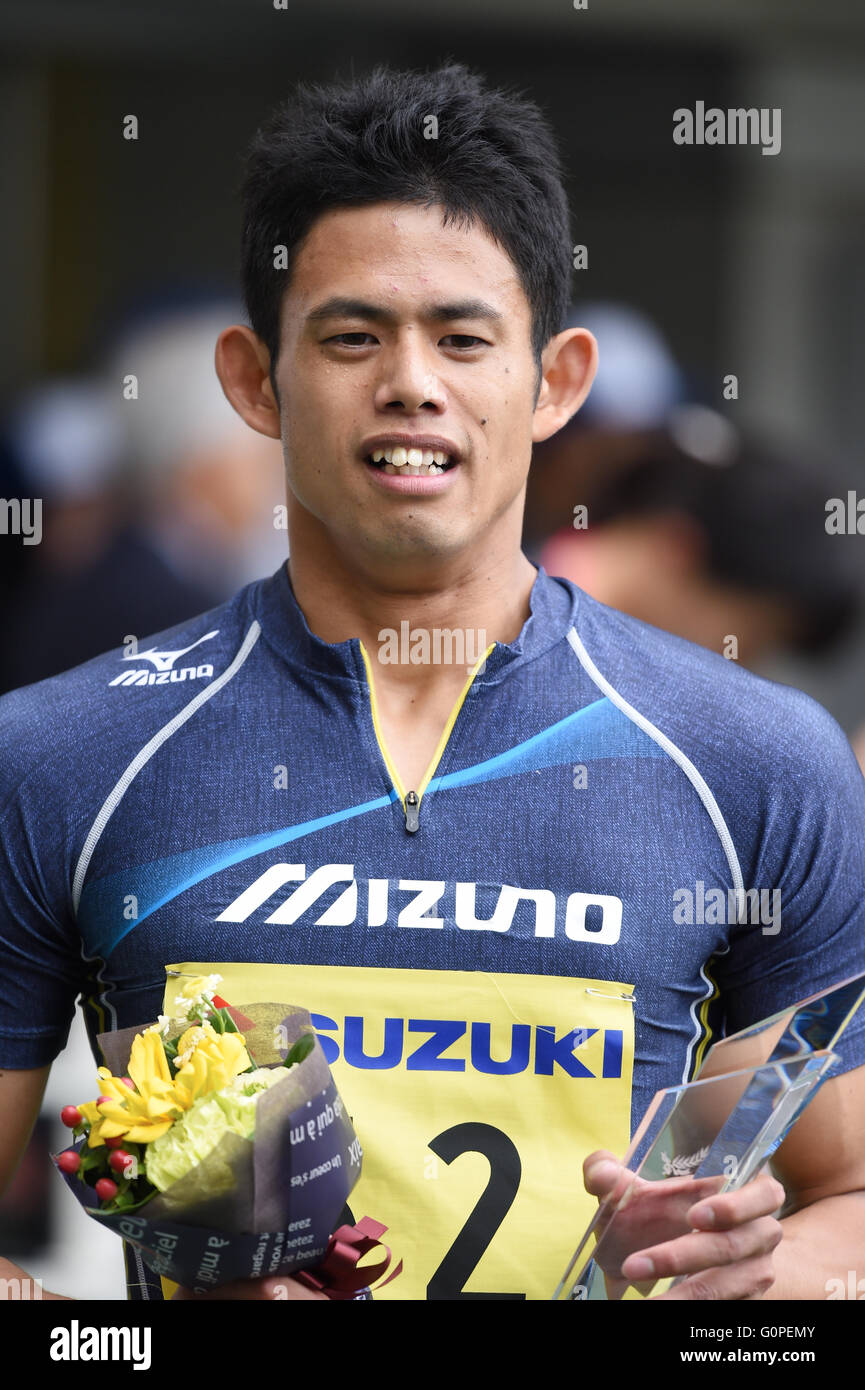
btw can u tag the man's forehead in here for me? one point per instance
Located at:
(390, 252)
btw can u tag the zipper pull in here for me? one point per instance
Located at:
(411, 812)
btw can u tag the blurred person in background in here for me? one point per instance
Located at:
(661, 507)
(93, 576)
(713, 535)
(637, 384)
(207, 489)
(156, 505)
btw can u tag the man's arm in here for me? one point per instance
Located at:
(20, 1098)
(822, 1166)
(812, 795)
(741, 1251)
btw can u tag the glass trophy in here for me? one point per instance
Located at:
(708, 1136)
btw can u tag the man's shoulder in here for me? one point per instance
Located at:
(109, 706)
(715, 710)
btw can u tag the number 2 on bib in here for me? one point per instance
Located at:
(489, 1211)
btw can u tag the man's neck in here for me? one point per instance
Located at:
(487, 602)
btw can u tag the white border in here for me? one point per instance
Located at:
(700, 787)
(117, 793)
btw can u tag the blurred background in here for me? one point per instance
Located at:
(726, 289)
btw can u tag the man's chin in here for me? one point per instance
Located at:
(408, 557)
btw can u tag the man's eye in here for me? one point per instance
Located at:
(350, 339)
(464, 340)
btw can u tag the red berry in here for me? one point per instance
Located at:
(127, 1081)
(101, 1099)
(71, 1116)
(68, 1161)
(119, 1159)
(106, 1190)
(115, 1143)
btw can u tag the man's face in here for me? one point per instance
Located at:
(432, 338)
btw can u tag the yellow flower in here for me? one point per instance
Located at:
(159, 1099)
(210, 1061)
(193, 987)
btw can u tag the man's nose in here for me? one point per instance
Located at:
(409, 380)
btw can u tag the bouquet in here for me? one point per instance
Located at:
(220, 1147)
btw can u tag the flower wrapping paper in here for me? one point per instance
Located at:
(252, 1207)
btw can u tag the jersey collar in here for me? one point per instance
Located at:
(552, 603)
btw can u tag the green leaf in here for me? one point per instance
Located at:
(300, 1050)
(127, 1201)
(92, 1158)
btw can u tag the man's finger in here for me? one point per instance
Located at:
(269, 1289)
(594, 1160)
(601, 1173)
(761, 1197)
(703, 1250)
(749, 1279)
(280, 1287)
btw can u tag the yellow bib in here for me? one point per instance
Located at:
(474, 1107)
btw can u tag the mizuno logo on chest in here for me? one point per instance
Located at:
(424, 903)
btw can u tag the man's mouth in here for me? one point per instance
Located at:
(411, 462)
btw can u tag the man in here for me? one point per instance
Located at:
(464, 866)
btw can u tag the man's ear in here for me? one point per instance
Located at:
(568, 363)
(243, 366)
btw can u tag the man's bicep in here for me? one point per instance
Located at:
(42, 961)
(20, 1098)
(802, 929)
(824, 1153)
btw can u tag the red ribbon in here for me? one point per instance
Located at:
(338, 1276)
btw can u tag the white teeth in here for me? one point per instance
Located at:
(424, 462)
(414, 470)
(412, 458)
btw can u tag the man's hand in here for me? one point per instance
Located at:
(16, 1283)
(726, 1254)
(275, 1287)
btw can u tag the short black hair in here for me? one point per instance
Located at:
(359, 142)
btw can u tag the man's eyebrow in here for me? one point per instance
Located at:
(341, 307)
(464, 309)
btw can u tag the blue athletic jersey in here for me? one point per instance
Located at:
(602, 791)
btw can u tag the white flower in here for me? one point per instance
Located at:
(199, 1003)
(162, 1025)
